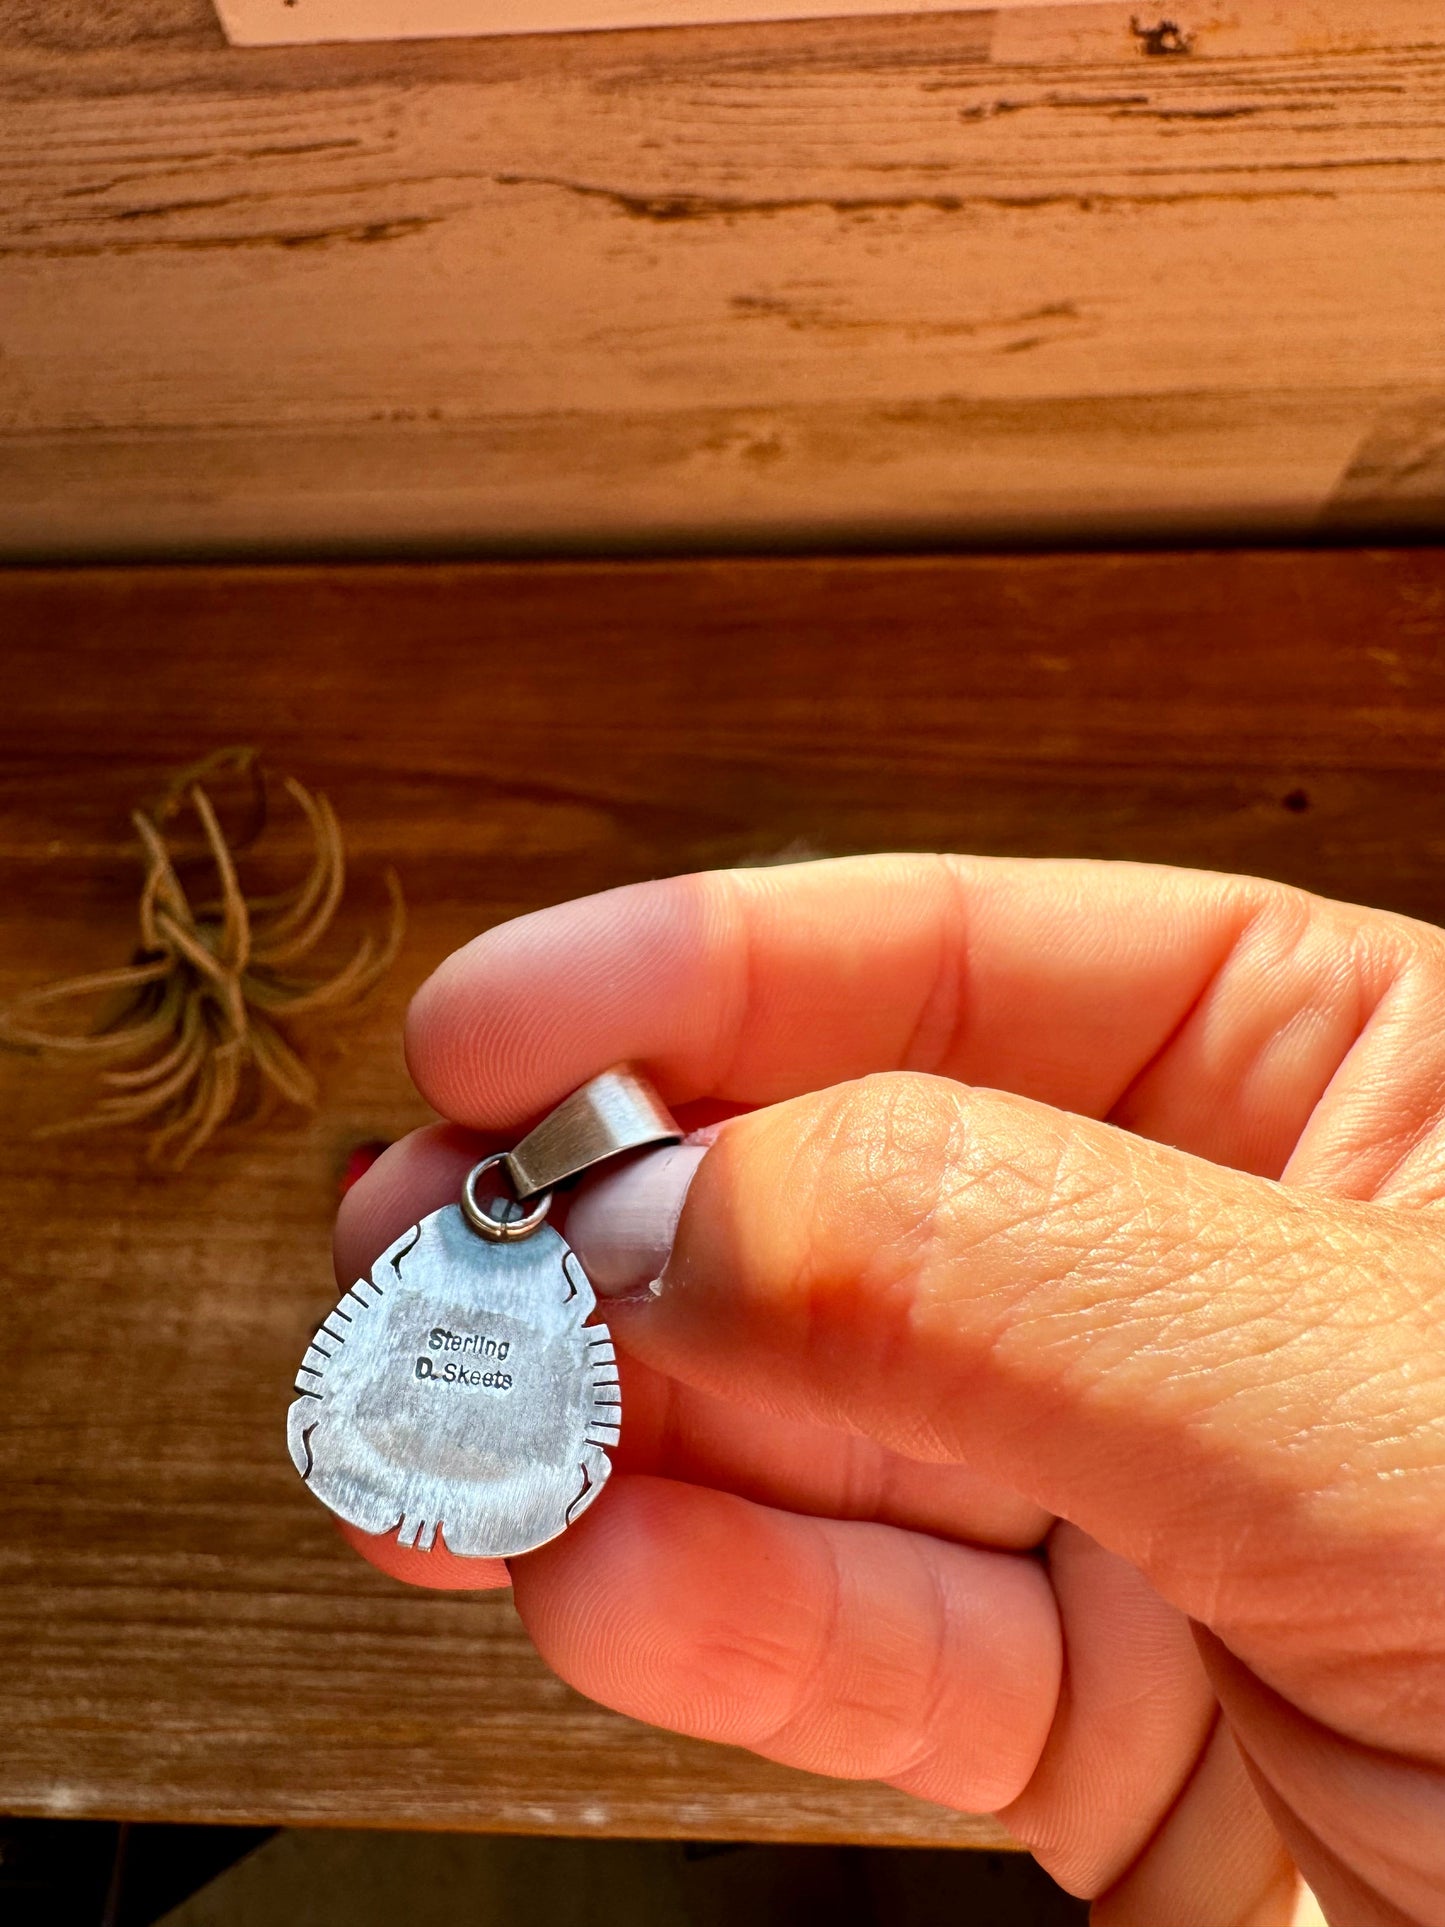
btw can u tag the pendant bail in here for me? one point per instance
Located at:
(615, 1112)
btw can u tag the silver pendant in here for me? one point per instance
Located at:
(460, 1389)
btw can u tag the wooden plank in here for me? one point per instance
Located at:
(964, 275)
(283, 23)
(185, 1637)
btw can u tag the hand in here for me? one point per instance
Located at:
(1042, 1408)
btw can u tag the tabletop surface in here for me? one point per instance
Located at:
(185, 1637)
(902, 279)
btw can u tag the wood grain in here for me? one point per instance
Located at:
(185, 1637)
(909, 279)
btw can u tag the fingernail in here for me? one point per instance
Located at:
(622, 1223)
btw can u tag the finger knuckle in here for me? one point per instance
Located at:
(888, 1145)
(910, 1174)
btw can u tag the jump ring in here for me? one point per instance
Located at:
(499, 1230)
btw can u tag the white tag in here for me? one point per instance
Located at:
(271, 23)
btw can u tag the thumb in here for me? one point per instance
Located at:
(1236, 1386)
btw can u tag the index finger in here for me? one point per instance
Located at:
(1207, 1011)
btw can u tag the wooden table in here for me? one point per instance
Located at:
(184, 1635)
(982, 275)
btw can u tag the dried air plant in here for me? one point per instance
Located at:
(214, 994)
